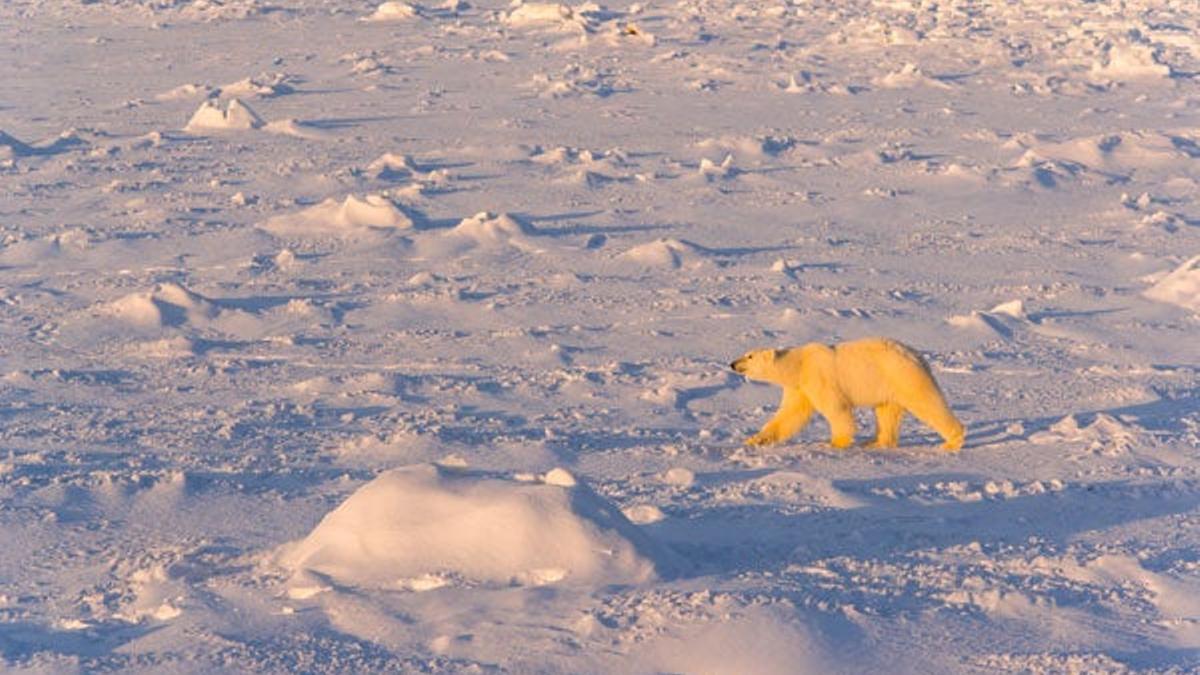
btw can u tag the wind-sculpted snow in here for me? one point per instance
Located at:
(235, 116)
(429, 522)
(1180, 287)
(265, 265)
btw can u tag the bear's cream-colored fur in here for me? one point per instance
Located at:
(875, 372)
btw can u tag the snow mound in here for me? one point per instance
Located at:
(1106, 435)
(909, 75)
(487, 231)
(545, 15)
(427, 521)
(757, 148)
(174, 347)
(331, 218)
(1130, 61)
(263, 85)
(154, 593)
(391, 165)
(185, 92)
(1004, 319)
(392, 11)
(168, 304)
(584, 167)
(395, 167)
(236, 116)
(1119, 152)
(293, 127)
(1180, 287)
(710, 170)
(488, 227)
(69, 242)
(673, 253)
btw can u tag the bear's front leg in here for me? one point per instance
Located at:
(767, 435)
(841, 426)
(794, 412)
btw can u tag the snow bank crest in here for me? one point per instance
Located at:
(425, 521)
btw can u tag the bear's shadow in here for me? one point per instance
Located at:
(748, 537)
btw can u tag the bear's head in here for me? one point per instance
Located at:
(758, 364)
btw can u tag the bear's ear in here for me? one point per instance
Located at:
(780, 353)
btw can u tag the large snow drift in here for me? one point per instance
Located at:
(420, 526)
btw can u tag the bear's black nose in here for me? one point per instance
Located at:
(734, 365)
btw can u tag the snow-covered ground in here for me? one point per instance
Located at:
(339, 336)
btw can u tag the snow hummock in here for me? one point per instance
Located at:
(909, 75)
(392, 11)
(186, 92)
(155, 595)
(1180, 287)
(1110, 152)
(485, 231)
(168, 304)
(1003, 319)
(667, 252)
(1130, 61)
(486, 227)
(293, 127)
(425, 519)
(263, 85)
(332, 218)
(543, 14)
(1105, 435)
(391, 164)
(712, 170)
(235, 116)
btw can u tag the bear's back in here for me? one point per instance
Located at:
(869, 369)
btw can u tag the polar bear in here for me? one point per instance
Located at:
(874, 372)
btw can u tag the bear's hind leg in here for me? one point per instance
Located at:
(936, 414)
(887, 420)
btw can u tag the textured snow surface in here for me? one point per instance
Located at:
(363, 336)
